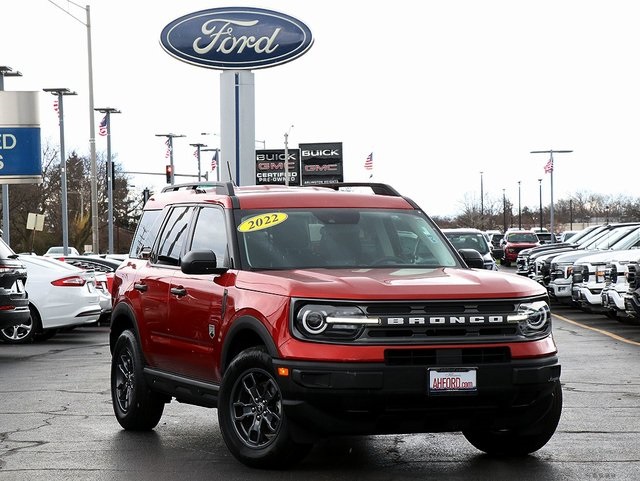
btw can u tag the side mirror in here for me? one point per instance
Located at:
(473, 258)
(201, 262)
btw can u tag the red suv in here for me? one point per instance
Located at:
(515, 241)
(304, 312)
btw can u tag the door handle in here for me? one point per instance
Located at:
(178, 291)
(140, 287)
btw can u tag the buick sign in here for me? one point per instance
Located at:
(236, 38)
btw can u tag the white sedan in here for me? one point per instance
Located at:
(60, 296)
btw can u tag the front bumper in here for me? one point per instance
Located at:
(612, 299)
(587, 296)
(560, 288)
(632, 305)
(379, 398)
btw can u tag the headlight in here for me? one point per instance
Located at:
(533, 318)
(330, 322)
(599, 274)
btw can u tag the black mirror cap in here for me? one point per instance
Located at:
(473, 258)
(201, 262)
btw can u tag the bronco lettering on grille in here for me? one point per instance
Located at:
(442, 320)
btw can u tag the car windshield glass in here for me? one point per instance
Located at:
(517, 237)
(341, 238)
(468, 241)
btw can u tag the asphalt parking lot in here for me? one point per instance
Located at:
(56, 422)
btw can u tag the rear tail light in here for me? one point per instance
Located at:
(73, 281)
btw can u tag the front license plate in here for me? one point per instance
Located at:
(452, 380)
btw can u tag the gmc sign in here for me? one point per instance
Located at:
(321, 163)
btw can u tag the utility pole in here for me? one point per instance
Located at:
(549, 168)
(6, 234)
(108, 111)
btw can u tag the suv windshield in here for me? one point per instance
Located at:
(468, 240)
(518, 237)
(340, 238)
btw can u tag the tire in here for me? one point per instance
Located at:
(521, 441)
(135, 406)
(25, 332)
(251, 416)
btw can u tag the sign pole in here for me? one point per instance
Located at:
(6, 229)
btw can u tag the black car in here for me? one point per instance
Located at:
(14, 304)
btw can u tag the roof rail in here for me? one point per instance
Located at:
(376, 187)
(222, 188)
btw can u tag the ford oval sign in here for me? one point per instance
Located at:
(236, 38)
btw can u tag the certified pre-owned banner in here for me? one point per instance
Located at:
(321, 163)
(270, 168)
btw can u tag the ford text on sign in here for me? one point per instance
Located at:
(236, 38)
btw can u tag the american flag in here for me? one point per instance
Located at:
(368, 164)
(548, 166)
(214, 160)
(102, 129)
(167, 142)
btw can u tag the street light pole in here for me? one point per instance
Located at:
(60, 93)
(198, 146)
(481, 195)
(550, 170)
(540, 182)
(519, 209)
(108, 111)
(504, 210)
(92, 125)
(6, 229)
(170, 138)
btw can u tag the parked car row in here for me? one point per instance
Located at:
(40, 295)
(596, 270)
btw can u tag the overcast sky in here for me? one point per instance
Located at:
(439, 91)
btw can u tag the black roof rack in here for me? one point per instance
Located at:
(376, 187)
(222, 188)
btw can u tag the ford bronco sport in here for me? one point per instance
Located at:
(305, 312)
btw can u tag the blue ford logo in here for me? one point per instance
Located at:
(236, 38)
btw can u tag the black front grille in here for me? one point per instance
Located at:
(447, 357)
(450, 321)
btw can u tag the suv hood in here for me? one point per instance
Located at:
(373, 284)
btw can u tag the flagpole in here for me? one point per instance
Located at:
(551, 152)
(107, 111)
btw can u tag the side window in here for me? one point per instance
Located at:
(211, 233)
(173, 236)
(146, 232)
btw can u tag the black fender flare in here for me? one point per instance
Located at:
(245, 323)
(122, 309)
